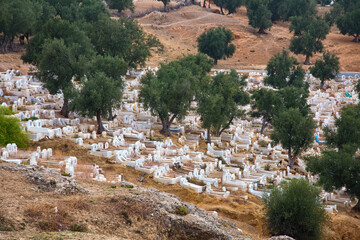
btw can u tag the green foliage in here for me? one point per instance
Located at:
(229, 5)
(97, 97)
(292, 8)
(5, 111)
(216, 43)
(123, 38)
(16, 17)
(347, 129)
(349, 23)
(168, 93)
(274, 6)
(308, 35)
(121, 5)
(326, 68)
(294, 131)
(182, 210)
(283, 70)
(335, 12)
(11, 132)
(219, 102)
(294, 210)
(266, 103)
(337, 169)
(259, 15)
(77, 228)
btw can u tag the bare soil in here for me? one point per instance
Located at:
(178, 31)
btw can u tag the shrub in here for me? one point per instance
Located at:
(10, 132)
(267, 167)
(182, 211)
(5, 111)
(294, 210)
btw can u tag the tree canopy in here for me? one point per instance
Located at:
(229, 5)
(294, 131)
(219, 103)
(259, 15)
(168, 92)
(349, 23)
(326, 68)
(308, 35)
(123, 38)
(283, 70)
(337, 169)
(294, 210)
(121, 5)
(99, 94)
(266, 104)
(216, 43)
(347, 131)
(16, 17)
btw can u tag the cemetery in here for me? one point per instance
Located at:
(241, 159)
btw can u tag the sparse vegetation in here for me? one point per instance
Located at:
(182, 210)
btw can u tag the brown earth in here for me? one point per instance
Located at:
(248, 214)
(178, 31)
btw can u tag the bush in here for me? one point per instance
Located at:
(294, 210)
(267, 167)
(5, 111)
(182, 211)
(10, 132)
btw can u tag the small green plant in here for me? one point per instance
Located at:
(262, 143)
(113, 186)
(127, 186)
(31, 118)
(77, 228)
(196, 181)
(66, 174)
(182, 210)
(252, 50)
(203, 166)
(267, 167)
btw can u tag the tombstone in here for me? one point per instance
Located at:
(94, 147)
(93, 135)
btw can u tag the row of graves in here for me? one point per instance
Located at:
(241, 159)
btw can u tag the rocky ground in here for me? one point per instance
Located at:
(40, 203)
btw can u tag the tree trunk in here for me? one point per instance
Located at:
(221, 9)
(307, 60)
(165, 9)
(165, 129)
(227, 125)
(264, 125)
(65, 110)
(291, 159)
(208, 140)
(356, 38)
(322, 84)
(215, 61)
(204, 6)
(209, 4)
(261, 31)
(99, 122)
